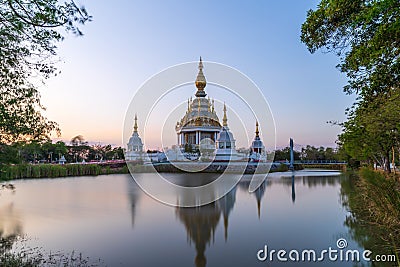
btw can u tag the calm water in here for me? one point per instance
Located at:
(110, 218)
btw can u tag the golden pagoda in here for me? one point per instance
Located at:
(200, 120)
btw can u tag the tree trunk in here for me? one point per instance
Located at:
(387, 162)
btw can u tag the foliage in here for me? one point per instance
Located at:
(365, 34)
(31, 152)
(372, 129)
(284, 154)
(373, 199)
(307, 153)
(29, 31)
(21, 171)
(25, 256)
(46, 152)
(78, 141)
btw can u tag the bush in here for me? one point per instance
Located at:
(21, 171)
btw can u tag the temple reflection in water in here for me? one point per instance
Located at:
(201, 222)
(212, 231)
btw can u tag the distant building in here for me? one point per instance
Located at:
(135, 145)
(257, 149)
(62, 160)
(226, 147)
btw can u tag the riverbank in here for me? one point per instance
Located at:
(14, 252)
(25, 171)
(373, 198)
(341, 167)
(29, 171)
(215, 167)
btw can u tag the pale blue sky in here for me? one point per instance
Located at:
(129, 41)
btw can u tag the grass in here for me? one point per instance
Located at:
(373, 198)
(22, 171)
(15, 253)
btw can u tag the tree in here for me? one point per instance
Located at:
(284, 154)
(78, 141)
(366, 36)
(29, 31)
(79, 149)
(373, 129)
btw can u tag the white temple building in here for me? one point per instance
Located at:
(200, 121)
(200, 135)
(226, 143)
(135, 145)
(257, 149)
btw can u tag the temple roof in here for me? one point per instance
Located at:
(200, 111)
(257, 143)
(200, 81)
(225, 135)
(135, 140)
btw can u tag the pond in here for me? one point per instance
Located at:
(112, 219)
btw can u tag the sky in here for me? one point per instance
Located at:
(130, 41)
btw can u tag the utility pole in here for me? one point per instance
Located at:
(291, 167)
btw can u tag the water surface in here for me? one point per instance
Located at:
(110, 218)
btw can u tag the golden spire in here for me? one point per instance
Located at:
(135, 126)
(209, 105)
(257, 132)
(200, 81)
(225, 119)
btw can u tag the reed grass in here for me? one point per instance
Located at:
(382, 192)
(22, 171)
(374, 201)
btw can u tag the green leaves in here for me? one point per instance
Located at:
(366, 34)
(29, 31)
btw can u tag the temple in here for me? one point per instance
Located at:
(201, 120)
(135, 145)
(226, 147)
(200, 135)
(257, 149)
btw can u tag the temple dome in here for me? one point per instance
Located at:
(135, 143)
(257, 143)
(225, 135)
(257, 150)
(200, 113)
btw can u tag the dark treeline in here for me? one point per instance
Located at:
(309, 153)
(48, 152)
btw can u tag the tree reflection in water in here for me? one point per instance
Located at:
(367, 231)
(10, 227)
